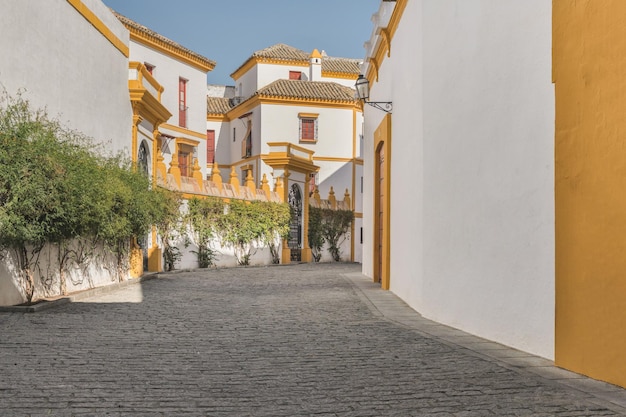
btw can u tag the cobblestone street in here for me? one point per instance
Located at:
(296, 340)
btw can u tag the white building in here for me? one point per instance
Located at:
(283, 95)
(71, 58)
(169, 111)
(458, 203)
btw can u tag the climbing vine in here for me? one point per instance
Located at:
(244, 226)
(330, 227)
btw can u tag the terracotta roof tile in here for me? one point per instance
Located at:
(313, 90)
(141, 28)
(342, 65)
(218, 105)
(284, 52)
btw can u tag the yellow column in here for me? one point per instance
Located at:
(234, 180)
(216, 176)
(197, 173)
(250, 182)
(174, 169)
(332, 199)
(265, 186)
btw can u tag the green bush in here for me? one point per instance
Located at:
(55, 188)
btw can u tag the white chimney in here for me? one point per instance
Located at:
(315, 66)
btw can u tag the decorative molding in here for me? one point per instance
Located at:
(100, 26)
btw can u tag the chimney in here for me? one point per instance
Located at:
(315, 66)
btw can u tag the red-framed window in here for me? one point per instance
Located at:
(210, 146)
(182, 102)
(308, 129)
(295, 75)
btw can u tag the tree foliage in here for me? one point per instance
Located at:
(55, 188)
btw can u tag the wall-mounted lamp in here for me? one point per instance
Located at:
(362, 86)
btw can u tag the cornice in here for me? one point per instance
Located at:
(203, 64)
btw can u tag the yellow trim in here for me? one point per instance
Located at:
(384, 47)
(382, 140)
(169, 49)
(255, 101)
(308, 115)
(100, 26)
(342, 75)
(187, 141)
(358, 161)
(331, 159)
(252, 61)
(217, 118)
(353, 203)
(358, 215)
(588, 41)
(184, 131)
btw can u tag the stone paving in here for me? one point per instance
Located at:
(301, 340)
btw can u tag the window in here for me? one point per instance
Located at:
(182, 102)
(308, 127)
(149, 68)
(210, 146)
(246, 142)
(234, 133)
(295, 75)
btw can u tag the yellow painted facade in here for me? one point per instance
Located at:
(589, 63)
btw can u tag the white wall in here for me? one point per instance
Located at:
(472, 212)
(67, 66)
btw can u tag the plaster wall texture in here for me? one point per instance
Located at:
(85, 77)
(268, 73)
(472, 167)
(246, 85)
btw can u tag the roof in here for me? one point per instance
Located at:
(312, 90)
(144, 33)
(288, 54)
(218, 105)
(288, 89)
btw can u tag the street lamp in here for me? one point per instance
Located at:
(362, 86)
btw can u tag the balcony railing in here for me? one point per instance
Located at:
(140, 78)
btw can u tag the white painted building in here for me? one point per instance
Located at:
(71, 58)
(285, 95)
(461, 174)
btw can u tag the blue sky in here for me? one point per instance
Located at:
(228, 32)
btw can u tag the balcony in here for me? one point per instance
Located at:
(145, 94)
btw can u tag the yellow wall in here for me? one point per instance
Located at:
(589, 47)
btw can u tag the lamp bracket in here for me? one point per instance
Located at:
(386, 106)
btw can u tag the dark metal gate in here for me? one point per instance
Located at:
(295, 232)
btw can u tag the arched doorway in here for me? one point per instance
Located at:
(295, 233)
(382, 202)
(143, 165)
